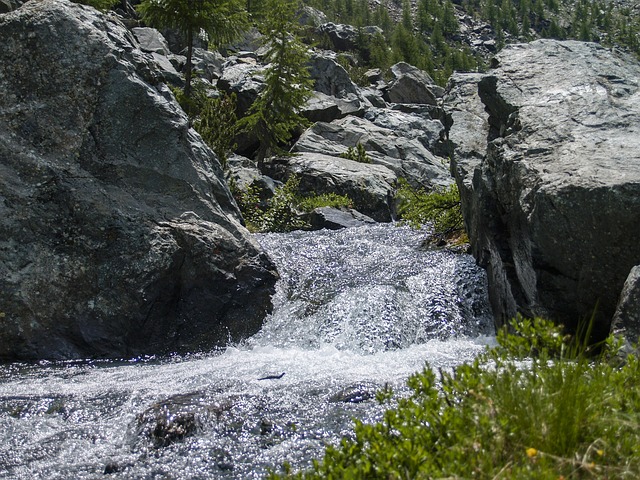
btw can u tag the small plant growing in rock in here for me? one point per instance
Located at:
(308, 204)
(440, 207)
(357, 154)
(217, 124)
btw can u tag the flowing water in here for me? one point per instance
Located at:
(355, 310)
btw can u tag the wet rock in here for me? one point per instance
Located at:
(337, 218)
(553, 207)
(118, 235)
(355, 394)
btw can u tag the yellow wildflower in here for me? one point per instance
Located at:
(531, 452)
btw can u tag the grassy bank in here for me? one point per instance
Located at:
(535, 407)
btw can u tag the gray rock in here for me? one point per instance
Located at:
(118, 235)
(243, 79)
(626, 320)
(151, 40)
(330, 77)
(407, 157)
(337, 218)
(325, 108)
(345, 37)
(208, 64)
(553, 209)
(311, 16)
(412, 85)
(369, 186)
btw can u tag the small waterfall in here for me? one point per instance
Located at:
(355, 310)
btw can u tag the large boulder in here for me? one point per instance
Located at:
(118, 235)
(369, 186)
(412, 85)
(553, 204)
(407, 157)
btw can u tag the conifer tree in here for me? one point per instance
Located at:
(274, 115)
(221, 20)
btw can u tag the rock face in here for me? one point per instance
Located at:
(118, 236)
(626, 320)
(553, 206)
(369, 186)
(406, 156)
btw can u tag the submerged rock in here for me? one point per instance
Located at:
(118, 235)
(553, 205)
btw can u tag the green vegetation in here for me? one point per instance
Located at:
(534, 407)
(440, 207)
(358, 154)
(285, 210)
(217, 124)
(426, 40)
(102, 5)
(288, 85)
(221, 20)
(308, 204)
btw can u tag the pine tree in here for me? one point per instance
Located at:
(221, 20)
(274, 115)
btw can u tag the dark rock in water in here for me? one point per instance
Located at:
(354, 394)
(335, 218)
(626, 320)
(118, 234)
(170, 421)
(552, 206)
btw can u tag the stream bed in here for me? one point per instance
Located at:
(355, 310)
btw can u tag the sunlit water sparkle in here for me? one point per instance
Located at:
(355, 310)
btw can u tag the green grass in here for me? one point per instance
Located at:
(535, 407)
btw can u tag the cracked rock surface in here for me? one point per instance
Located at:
(552, 196)
(118, 235)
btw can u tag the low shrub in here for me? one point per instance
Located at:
(357, 154)
(440, 208)
(310, 203)
(557, 414)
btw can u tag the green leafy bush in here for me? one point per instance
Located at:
(440, 207)
(283, 212)
(549, 417)
(280, 214)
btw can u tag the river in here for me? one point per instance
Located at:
(355, 310)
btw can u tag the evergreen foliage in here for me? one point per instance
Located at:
(440, 208)
(358, 154)
(221, 20)
(102, 5)
(533, 407)
(288, 85)
(217, 124)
